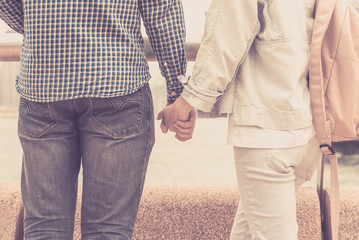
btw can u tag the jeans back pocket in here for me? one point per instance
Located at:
(118, 117)
(35, 118)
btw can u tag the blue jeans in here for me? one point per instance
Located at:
(113, 137)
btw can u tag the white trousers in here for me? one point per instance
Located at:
(267, 181)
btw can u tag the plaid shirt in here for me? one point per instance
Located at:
(92, 48)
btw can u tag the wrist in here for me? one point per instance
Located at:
(183, 102)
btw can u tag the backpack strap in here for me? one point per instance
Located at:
(329, 204)
(334, 198)
(330, 220)
(324, 12)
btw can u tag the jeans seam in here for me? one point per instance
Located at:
(50, 112)
(150, 134)
(75, 106)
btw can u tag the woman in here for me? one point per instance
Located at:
(253, 65)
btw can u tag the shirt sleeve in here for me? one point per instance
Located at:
(165, 27)
(11, 12)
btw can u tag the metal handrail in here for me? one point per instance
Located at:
(11, 53)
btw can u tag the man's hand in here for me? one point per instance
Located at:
(179, 117)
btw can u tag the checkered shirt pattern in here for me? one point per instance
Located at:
(92, 48)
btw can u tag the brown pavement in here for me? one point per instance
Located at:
(180, 212)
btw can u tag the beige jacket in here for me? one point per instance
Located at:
(254, 59)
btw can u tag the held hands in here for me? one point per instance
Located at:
(179, 117)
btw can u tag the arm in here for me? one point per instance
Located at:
(164, 23)
(230, 28)
(11, 12)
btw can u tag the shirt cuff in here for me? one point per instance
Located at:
(172, 96)
(173, 92)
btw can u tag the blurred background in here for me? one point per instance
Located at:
(204, 160)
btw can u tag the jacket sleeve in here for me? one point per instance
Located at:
(230, 28)
(11, 12)
(355, 4)
(165, 27)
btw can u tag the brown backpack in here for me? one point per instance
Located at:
(334, 90)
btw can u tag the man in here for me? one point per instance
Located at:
(254, 58)
(85, 99)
